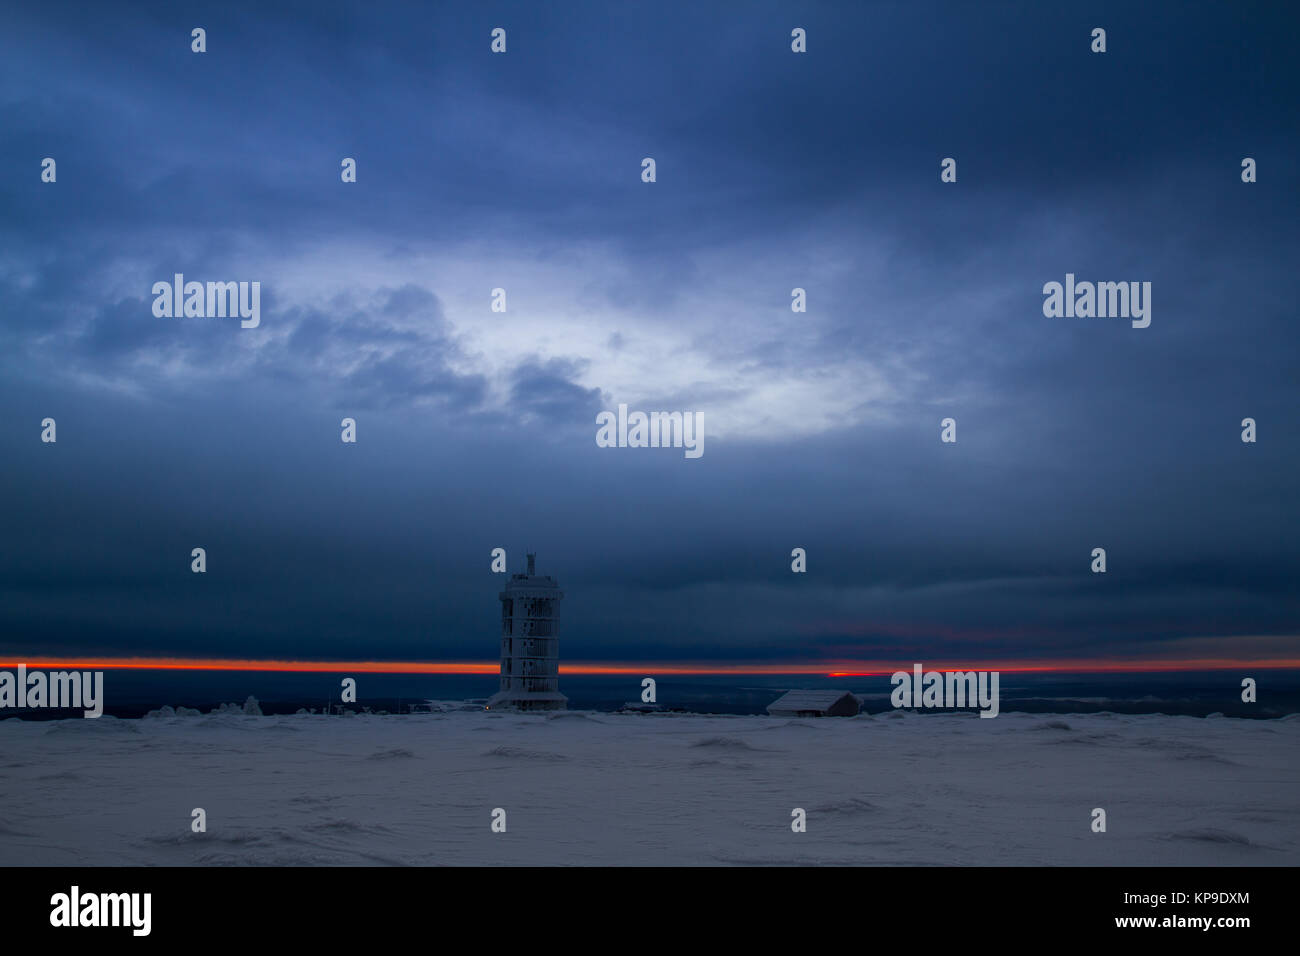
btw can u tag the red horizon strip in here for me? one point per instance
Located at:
(836, 669)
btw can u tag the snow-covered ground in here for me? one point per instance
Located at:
(579, 788)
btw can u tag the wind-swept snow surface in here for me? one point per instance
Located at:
(579, 788)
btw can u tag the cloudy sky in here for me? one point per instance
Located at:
(476, 429)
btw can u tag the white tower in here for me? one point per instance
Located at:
(530, 643)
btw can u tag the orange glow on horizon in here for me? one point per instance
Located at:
(677, 668)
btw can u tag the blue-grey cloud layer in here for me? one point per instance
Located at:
(775, 171)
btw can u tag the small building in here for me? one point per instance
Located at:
(814, 703)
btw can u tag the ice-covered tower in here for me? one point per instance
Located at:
(530, 643)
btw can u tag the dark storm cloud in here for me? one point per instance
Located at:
(774, 171)
(546, 390)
